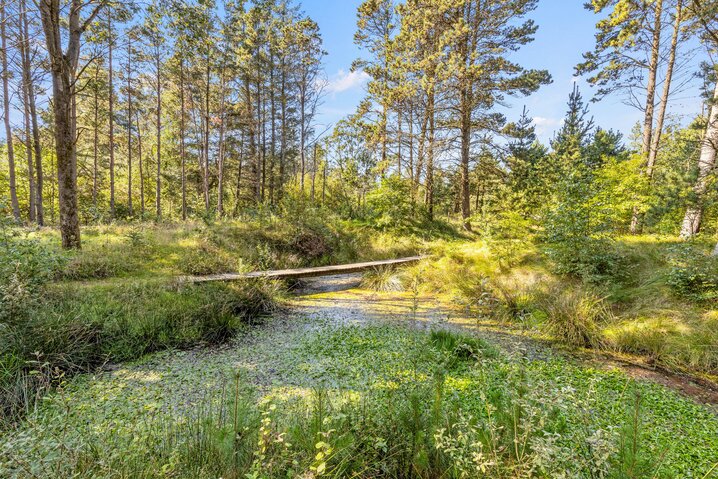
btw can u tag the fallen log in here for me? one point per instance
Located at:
(302, 272)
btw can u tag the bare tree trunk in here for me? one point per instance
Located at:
(465, 193)
(141, 163)
(6, 110)
(706, 164)
(411, 145)
(658, 131)
(324, 180)
(220, 161)
(314, 169)
(302, 135)
(63, 70)
(96, 139)
(158, 186)
(259, 177)
(183, 156)
(283, 141)
(399, 140)
(420, 155)
(40, 213)
(129, 126)
(430, 158)
(205, 147)
(25, 60)
(111, 113)
(239, 175)
(636, 220)
(273, 115)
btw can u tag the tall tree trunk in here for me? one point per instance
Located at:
(324, 179)
(314, 169)
(6, 116)
(25, 61)
(29, 153)
(465, 156)
(411, 145)
(63, 68)
(259, 167)
(283, 141)
(110, 112)
(273, 115)
(141, 165)
(421, 154)
(302, 137)
(158, 185)
(665, 96)
(430, 157)
(96, 138)
(399, 140)
(221, 148)
(238, 192)
(205, 147)
(650, 105)
(706, 164)
(129, 126)
(40, 213)
(183, 155)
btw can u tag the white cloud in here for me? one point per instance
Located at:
(546, 125)
(344, 80)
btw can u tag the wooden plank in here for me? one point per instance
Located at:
(302, 272)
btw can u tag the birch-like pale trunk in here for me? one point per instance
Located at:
(706, 165)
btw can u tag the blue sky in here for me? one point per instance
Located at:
(566, 30)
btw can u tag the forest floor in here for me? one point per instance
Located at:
(333, 334)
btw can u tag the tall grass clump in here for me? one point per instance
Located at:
(576, 317)
(383, 278)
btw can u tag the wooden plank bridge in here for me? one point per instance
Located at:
(303, 272)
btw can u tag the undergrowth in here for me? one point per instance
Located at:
(661, 307)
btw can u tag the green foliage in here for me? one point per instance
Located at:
(390, 204)
(595, 261)
(26, 266)
(694, 273)
(462, 345)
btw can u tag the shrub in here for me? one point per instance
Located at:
(693, 274)
(593, 260)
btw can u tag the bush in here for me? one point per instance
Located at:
(693, 274)
(595, 261)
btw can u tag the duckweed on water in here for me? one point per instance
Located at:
(320, 399)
